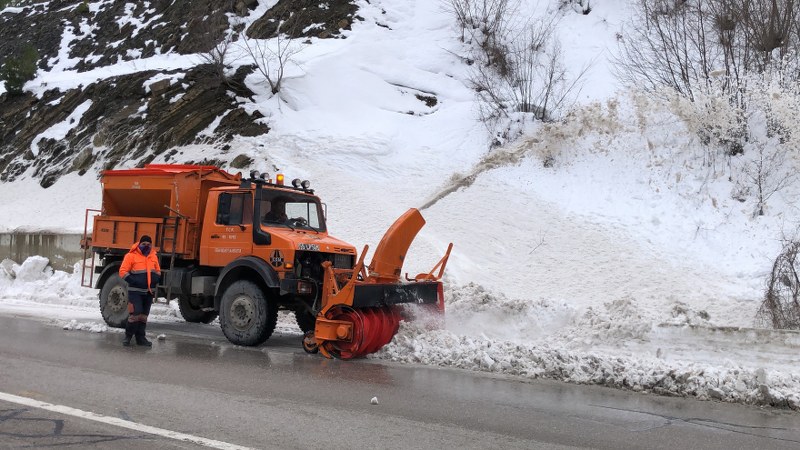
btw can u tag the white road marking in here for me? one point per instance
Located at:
(120, 422)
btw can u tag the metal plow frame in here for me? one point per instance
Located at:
(348, 329)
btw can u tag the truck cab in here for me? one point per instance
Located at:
(278, 227)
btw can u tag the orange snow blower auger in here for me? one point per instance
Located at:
(361, 309)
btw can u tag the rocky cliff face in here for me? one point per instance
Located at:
(141, 115)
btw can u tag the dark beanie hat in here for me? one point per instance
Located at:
(145, 238)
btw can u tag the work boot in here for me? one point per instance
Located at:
(129, 330)
(140, 337)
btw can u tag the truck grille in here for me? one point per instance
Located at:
(342, 261)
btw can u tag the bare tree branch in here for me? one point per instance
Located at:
(271, 56)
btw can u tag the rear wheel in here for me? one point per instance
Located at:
(246, 315)
(193, 312)
(114, 301)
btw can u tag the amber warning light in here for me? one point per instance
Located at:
(279, 179)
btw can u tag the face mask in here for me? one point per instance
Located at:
(145, 249)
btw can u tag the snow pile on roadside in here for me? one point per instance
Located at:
(92, 327)
(34, 288)
(26, 287)
(287, 324)
(614, 345)
(35, 281)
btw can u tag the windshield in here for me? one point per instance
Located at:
(287, 209)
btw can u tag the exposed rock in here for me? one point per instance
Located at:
(305, 18)
(239, 122)
(159, 87)
(117, 125)
(125, 122)
(38, 25)
(243, 6)
(242, 161)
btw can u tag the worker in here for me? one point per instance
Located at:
(140, 269)
(276, 213)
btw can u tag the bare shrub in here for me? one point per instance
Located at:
(219, 36)
(768, 26)
(767, 173)
(271, 56)
(558, 88)
(770, 156)
(533, 83)
(796, 33)
(487, 17)
(682, 44)
(719, 124)
(518, 70)
(461, 10)
(781, 305)
(667, 46)
(486, 23)
(733, 61)
(756, 144)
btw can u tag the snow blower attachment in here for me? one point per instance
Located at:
(361, 309)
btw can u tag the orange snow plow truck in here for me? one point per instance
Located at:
(243, 248)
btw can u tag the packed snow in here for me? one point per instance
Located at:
(620, 262)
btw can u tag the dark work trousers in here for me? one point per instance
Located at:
(139, 304)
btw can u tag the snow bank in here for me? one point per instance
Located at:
(33, 288)
(92, 327)
(614, 345)
(35, 281)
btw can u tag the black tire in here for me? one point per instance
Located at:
(305, 320)
(193, 313)
(246, 315)
(114, 301)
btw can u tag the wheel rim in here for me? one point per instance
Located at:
(117, 299)
(243, 310)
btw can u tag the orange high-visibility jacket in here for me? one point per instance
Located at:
(139, 271)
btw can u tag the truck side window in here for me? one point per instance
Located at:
(235, 209)
(224, 209)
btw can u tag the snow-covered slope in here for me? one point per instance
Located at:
(625, 262)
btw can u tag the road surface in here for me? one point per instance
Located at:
(194, 389)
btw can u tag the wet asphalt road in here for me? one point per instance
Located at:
(276, 396)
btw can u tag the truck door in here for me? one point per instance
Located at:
(227, 229)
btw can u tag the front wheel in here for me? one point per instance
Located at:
(194, 313)
(114, 301)
(246, 315)
(306, 320)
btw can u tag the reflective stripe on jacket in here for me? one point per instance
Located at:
(139, 271)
